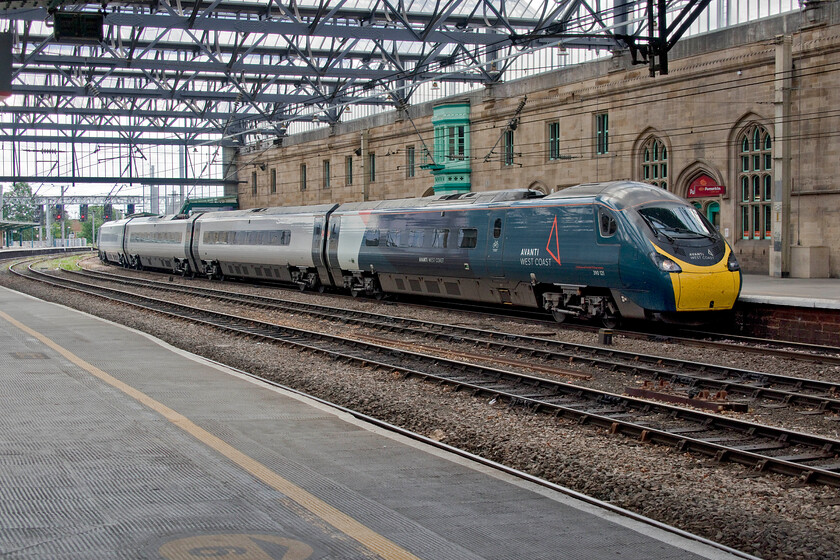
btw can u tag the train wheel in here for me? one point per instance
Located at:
(558, 315)
(610, 321)
(321, 288)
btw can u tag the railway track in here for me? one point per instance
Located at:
(675, 334)
(678, 335)
(669, 377)
(811, 458)
(800, 351)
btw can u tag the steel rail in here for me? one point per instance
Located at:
(606, 410)
(785, 349)
(825, 396)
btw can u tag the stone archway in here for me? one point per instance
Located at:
(703, 187)
(538, 186)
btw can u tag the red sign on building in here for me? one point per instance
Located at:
(704, 186)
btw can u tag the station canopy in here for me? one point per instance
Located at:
(237, 67)
(121, 77)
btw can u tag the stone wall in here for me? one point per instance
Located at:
(719, 84)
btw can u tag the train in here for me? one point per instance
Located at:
(596, 251)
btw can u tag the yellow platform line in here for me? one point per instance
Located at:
(335, 517)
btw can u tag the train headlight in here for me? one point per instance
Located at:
(665, 264)
(732, 263)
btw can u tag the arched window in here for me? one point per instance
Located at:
(755, 182)
(655, 163)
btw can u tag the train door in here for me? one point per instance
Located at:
(496, 243)
(605, 260)
(333, 228)
(193, 236)
(319, 250)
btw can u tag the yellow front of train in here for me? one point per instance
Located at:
(706, 287)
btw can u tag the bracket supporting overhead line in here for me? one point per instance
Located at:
(661, 36)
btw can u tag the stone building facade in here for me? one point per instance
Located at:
(742, 113)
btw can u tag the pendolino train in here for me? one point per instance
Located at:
(595, 251)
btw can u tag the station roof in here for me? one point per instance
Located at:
(102, 81)
(6, 225)
(234, 68)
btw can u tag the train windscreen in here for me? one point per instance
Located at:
(677, 220)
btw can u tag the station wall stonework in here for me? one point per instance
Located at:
(594, 122)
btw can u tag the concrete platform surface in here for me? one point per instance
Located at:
(116, 445)
(820, 293)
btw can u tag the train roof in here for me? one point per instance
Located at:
(271, 211)
(115, 223)
(155, 219)
(455, 199)
(620, 194)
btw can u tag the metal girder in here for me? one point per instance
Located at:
(229, 71)
(118, 180)
(134, 129)
(139, 140)
(662, 36)
(72, 199)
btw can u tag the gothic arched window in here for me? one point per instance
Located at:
(655, 163)
(756, 182)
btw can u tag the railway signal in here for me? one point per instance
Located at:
(83, 212)
(58, 212)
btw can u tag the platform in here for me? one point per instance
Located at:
(819, 293)
(116, 445)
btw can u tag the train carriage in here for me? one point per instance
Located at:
(600, 250)
(440, 246)
(159, 242)
(111, 242)
(283, 244)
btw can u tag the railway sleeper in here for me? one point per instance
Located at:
(540, 396)
(605, 411)
(687, 430)
(802, 457)
(760, 447)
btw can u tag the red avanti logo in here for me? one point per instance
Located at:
(554, 242)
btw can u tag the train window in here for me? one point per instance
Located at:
(372, 238)
(415, 238)
(285, 237)
(441, 236)
(497, 228)
(265, 238)
(467, 238)
(253, 237)
(393, 238)
(275, 238)
(608, 223)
